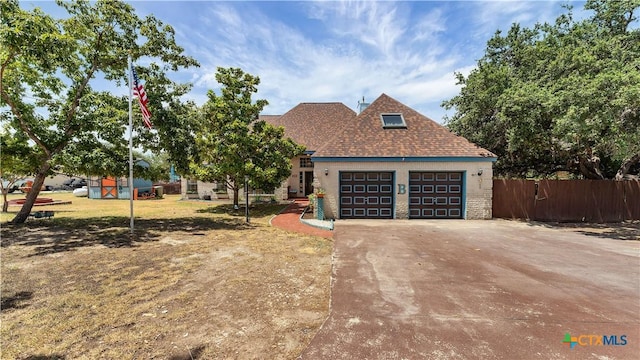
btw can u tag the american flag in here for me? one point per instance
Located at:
(138, 91)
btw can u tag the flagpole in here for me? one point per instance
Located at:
(130, 144)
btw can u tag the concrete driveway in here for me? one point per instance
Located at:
(479, 290)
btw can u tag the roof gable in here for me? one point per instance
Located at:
(366, 136)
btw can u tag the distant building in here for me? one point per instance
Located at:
(106, 187)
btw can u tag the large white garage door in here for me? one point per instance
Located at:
(366, 195)
(435, 195)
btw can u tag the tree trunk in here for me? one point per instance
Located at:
(5, 204)
(24, 212)
(590, 167)
(626, 165)
(236, 192)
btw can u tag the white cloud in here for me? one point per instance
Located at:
(489, 16)
(294, 68)
(379, 25)
(356, 48)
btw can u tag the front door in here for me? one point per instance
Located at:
(308, 183)
(109, 188)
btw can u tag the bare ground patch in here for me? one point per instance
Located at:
(195, 284)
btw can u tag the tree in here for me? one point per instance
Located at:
(17, 160)
(234, 143)
(562, 96)
(47, 67)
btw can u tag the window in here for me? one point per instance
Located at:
(393, 121)
(301, 181)
(192, 186)
(305, 162)
(221, 186)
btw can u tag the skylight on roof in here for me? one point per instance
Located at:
(392, 121)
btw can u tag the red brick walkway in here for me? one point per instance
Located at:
(289, 219)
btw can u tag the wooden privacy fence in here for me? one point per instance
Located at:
(170, 188)
(567, 200)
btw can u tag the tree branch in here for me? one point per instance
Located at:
(69, 130)
(16, 112)
(3, 68)
(626, 165)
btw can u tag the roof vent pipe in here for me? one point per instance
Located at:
(362, 105)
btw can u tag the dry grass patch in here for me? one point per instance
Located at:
(194, 282)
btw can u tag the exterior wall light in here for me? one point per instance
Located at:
(326, 172)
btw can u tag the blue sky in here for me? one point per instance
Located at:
(341, 50)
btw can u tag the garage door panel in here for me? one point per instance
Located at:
(442, 177)
(359, 200)
(435, 195)
(428, 201)
(366, 195)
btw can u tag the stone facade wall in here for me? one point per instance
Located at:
(204, 188)
(478, 188)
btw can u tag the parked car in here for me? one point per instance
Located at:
(79, 183)
(15, 186)
(27, 184)
(67, 183)
(74, 183)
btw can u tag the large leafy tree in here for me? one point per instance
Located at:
(18, 159)
(234, 143)
(48, 66)
(562, 96)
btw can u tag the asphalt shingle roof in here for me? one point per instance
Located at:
(313, 124)
(364, 136)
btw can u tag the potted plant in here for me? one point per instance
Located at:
(312, 200)
(320, 193)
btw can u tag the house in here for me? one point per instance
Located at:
(312, 125)
(386, 162)
(391, 162)
(308, 124)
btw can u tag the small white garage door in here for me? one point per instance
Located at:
(366, 195)
(435, 195)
